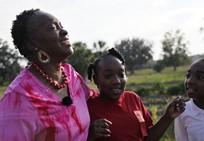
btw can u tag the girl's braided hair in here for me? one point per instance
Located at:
(93, 66)
(20, 31)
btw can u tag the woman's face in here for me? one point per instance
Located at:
(111, 77)
(194, 82)
(48, 35)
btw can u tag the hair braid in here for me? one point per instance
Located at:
(92, 68)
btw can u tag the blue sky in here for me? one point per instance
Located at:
(113, 20)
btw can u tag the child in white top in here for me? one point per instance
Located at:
(189, 126)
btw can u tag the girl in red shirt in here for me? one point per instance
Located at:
(119, 115)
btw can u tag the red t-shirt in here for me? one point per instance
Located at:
(130, 119)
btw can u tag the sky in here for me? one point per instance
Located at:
(114, 20)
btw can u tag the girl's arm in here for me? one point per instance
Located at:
(174, 109)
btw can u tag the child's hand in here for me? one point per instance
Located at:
(99, 129)
(176, 107)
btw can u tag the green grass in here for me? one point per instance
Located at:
(150, 76)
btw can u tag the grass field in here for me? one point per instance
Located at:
(144, 77)
(167, 75)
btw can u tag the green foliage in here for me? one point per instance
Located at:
(174, 49)
(159, 66)
(142, 91)
(153, 111)
(99, 47)
(157, 110)
(9, 63)
(137, 52)
(159, 88)
(176, 90)
(81, 58)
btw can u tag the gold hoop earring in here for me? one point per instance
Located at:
(43, 57)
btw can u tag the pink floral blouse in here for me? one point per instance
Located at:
(30, 111)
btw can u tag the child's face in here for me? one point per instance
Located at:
(194, 83)
(111, 77)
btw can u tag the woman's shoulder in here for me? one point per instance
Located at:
(18, 90)
(68, 67)
(22, 78)
(14, 101)
(71, 72)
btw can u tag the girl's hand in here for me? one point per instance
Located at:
(176, 107)
(99, 129)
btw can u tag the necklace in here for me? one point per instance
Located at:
(50, 80)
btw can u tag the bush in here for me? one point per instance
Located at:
(159, 88)
(143, 91)
(175, 90)
(159, 66)
(156, 112)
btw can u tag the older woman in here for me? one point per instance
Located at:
(47, 100)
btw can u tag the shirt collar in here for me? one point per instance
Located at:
(195, 110)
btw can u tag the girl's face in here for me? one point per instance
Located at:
(48, 35)
(194, 82)
(111, 77)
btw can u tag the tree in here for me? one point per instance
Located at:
(81, 58)
(9, 63)
(99, 47)
(174, 49)
(136, 52)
